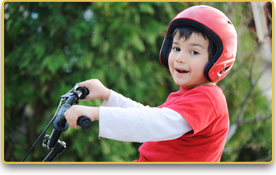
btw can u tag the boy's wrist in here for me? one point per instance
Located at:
(93, 113)
(106, 94)
(97, 113)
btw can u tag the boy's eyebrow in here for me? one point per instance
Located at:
(192, 44)
(195, 44)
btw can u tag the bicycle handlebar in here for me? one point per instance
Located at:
(60, 124)
(84, 122)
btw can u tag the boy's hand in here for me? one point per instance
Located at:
(96, 90)
(77, 111)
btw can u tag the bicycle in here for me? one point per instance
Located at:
(60, 124)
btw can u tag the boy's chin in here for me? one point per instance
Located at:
(185, 84)
(181, 83)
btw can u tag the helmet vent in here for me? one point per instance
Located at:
(224, 69)
(229, 22)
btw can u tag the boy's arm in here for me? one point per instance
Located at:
(141, 124)
(112, 99)
(117, 100)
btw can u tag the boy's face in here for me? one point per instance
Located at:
(187, 60)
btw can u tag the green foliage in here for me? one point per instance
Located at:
(48, 47)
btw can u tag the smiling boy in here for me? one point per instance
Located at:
(188, 57)
(191, 126)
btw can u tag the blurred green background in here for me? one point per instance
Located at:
(48, 47)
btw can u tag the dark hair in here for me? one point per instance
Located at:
(187, 31)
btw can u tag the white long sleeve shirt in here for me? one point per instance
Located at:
(122, 119)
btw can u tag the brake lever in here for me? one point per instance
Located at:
(69, 93)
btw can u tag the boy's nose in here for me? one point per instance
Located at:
(180, 58)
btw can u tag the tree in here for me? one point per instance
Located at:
(48, 47)
(250, 134)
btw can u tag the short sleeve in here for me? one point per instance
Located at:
(196, 108)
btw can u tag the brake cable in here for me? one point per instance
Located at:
(61, 100)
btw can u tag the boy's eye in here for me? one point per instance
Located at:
(194, 52)
(176, 49)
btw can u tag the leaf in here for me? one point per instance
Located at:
(146, 8)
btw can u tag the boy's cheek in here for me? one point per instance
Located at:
(170, 61)
(170, 66)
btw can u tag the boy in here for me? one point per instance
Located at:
(191, 126)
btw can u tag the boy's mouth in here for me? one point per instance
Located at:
(181, 70)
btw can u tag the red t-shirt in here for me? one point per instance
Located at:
(205, 109)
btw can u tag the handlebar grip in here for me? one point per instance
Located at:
(84, 91)
(84, 122)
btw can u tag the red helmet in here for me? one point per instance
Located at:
(214, 24)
